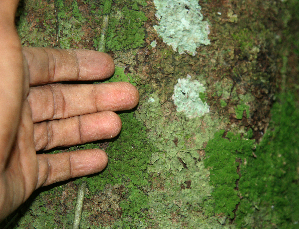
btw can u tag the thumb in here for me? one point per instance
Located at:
(11, 78)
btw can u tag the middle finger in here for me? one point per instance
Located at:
(56, 101)
(76, 130)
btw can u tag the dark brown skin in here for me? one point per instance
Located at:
(36, 114)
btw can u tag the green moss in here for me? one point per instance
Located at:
(43, 214)
(38, 36)
(69, 22)
(120, 76)
(240, 109)
(269, 186)
(128, 158)
(223, 103)
(258, 189)
(63, 29)
(127, 163)
(245, 39)
(224, 156)
(107, 7)
(125, 29)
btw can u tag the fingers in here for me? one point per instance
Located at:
(56, 101)
(54, 65)
(63, 166)
(76, 130)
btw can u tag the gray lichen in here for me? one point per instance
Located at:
(188, 97)
(181, 25)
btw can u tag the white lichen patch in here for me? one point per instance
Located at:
(187, 97)
(181, 25)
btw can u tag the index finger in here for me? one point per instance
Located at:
(54, 65)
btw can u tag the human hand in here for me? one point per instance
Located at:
(37, 113)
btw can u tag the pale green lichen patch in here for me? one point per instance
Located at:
(181, 25)
(182, 192)
(189, 97)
